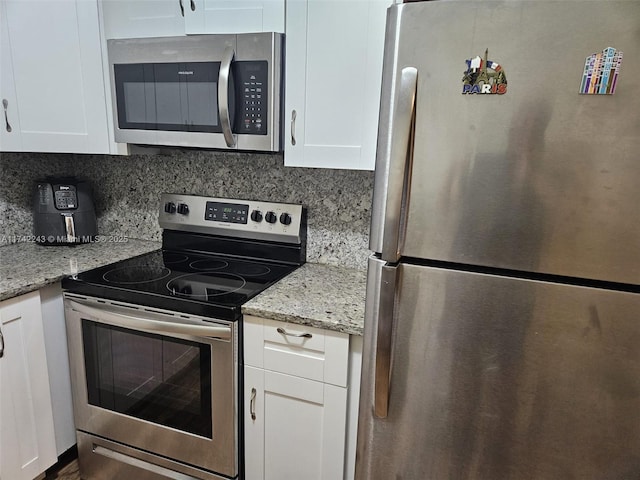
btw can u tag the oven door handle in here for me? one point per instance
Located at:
(149, 324)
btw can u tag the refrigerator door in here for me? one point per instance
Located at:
(500, 378)
(539, 178)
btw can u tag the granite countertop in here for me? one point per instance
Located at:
(25, 267)
(317, 295)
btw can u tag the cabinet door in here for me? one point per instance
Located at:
(298, 430)
(58, 77)
(10, 140)
(143, 18)
(334, 53)
(27, 439)
(234, 16)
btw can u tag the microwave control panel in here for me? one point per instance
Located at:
(251, 85)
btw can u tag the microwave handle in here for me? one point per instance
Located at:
(223, 96)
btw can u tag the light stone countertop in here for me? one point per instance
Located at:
(316, 295)
(25, 267)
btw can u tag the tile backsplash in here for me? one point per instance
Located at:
(127, 191)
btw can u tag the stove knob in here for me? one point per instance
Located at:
(256, 216)
(170, 207)
(183, 209)
(285, 219)
(271, 217)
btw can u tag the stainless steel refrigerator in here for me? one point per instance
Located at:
(502, 329)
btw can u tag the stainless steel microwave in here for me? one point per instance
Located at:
(207, 91)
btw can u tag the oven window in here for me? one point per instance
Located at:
(160, 379)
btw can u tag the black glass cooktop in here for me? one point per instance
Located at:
(207, 285)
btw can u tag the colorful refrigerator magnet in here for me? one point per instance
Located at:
(484, 76)
(601, 72)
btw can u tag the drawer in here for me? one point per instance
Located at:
(293, 349)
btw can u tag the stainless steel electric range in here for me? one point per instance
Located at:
(155, 342)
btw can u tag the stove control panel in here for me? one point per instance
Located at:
(280, 222)
(226, 212)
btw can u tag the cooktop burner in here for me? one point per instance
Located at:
(201, 285)
(134, 275)
(174, 258)
(208, 264)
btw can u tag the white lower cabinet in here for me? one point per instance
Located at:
(27, 440)
(55, 340)
(294, 427)
(295, 401)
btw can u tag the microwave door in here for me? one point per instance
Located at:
(172, 103)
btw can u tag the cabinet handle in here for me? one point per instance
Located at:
(181, 7)
(293, 127)
(252, 404)
(1, 344)
(193, 6)
(282, 331)
(5, 104)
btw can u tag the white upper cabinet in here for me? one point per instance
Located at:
(55, 58)
(143, 18)
(234, 16)
(166, 18)
(10, 139)
(334, 53)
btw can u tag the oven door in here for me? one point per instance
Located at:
(161, 382)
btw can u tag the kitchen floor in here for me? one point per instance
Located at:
(65, 469)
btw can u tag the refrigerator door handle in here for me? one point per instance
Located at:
(393, 168)
(384, 340)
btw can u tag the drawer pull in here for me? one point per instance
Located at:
(282, 331)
